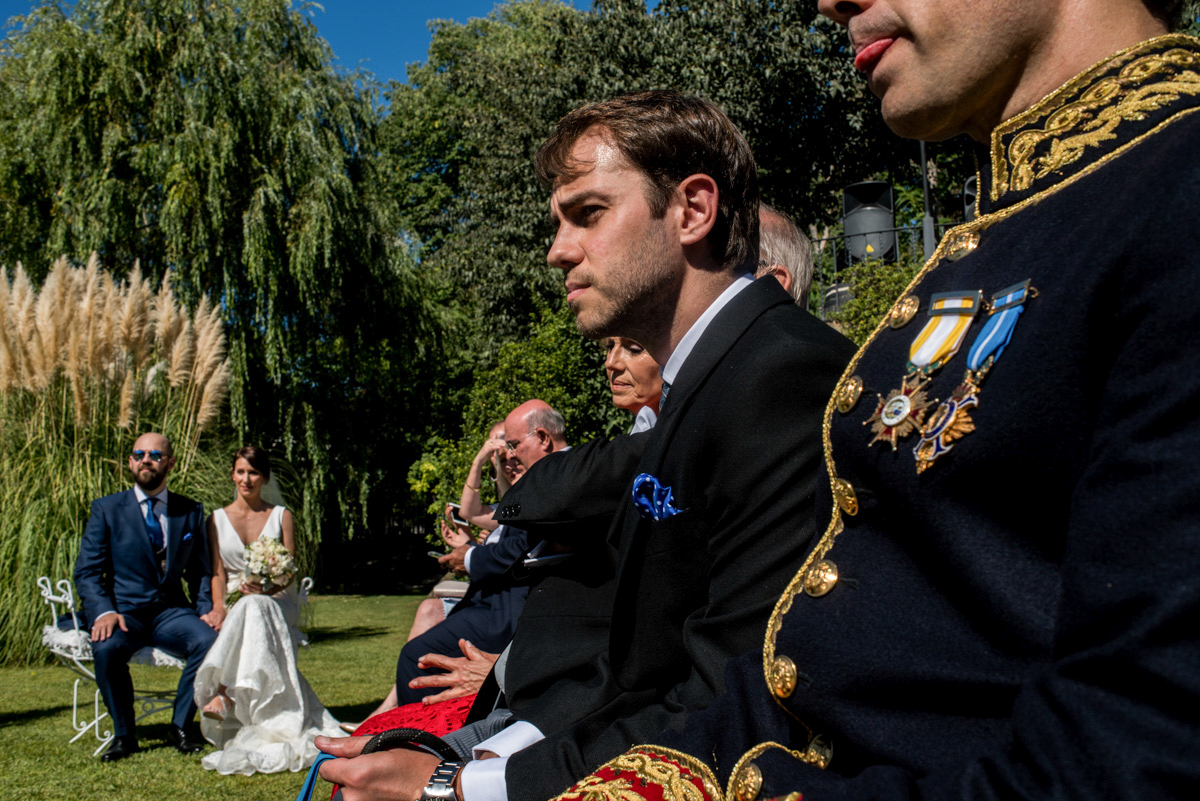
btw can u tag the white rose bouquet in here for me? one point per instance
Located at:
(269, 563)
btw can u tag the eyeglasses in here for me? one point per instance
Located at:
(155, 456)
(512, 444)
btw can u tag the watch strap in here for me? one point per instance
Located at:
(441, 783)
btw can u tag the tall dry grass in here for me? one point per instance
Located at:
(86, 364)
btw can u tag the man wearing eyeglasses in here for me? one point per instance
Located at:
(138, 548)
(487, 615)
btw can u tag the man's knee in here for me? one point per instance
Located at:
(116, 650)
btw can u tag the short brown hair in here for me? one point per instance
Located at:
(258, 458)
(667, 136)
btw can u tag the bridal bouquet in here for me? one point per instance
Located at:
(268, 562)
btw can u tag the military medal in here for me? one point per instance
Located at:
(903, 410)
(951, 420)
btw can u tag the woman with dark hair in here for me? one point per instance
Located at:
(260, 712)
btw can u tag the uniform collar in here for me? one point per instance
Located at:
(1090, 119)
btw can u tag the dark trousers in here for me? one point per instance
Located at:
(478, 624)
(175, 629)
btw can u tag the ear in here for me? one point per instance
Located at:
(782, 274)
(698, 194)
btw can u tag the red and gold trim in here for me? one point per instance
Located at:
(648, 773)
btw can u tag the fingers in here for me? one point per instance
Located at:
(121, 623)
(438, 661)
(446, 695)
(469, 650)
(340, 746)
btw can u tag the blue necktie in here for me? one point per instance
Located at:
(662, 401)
(153, 527)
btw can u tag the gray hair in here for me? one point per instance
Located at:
(548, 419)
(782, 243)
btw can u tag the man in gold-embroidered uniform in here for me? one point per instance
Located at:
(1004, 602)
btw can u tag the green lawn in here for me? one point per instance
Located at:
(351, 665)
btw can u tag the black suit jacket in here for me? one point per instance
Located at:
(116, 570)
(739, 444)
(495, 586)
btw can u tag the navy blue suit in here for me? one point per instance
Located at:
(487, 615)
(117, 572)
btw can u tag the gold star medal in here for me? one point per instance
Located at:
(902, 412)
(951, 421)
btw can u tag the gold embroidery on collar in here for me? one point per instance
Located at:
(649, 765)
(1098, 104)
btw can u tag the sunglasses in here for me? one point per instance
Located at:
(155, 456)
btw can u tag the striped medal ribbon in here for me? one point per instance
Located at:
(951, 420)
(903, 411)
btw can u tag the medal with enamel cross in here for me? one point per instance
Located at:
(903, 410)
(951, 421)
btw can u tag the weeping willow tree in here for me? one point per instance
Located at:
(86, 364)
(217, 141)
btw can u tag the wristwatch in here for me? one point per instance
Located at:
(441, 783)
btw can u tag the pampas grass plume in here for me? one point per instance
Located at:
(214, 394)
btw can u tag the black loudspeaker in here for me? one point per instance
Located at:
(869, 221)
(970, 197)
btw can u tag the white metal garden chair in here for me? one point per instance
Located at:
(73, 648)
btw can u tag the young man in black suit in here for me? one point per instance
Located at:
(655, 199)
(1003, 602)
(139, 546)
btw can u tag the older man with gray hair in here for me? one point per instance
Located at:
(784, 252)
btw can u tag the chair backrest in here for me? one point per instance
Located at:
(64, 596)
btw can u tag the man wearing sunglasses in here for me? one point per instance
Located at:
(138, 548)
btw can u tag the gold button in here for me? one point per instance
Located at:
(783, 677)
(849, 393)
(820, 579)
(961, 244)
(819, 753)
(748, 782)
(903, 312)
(845, 496)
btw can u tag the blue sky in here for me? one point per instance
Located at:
(384, 34)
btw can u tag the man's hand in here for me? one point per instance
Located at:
(456, 560)
(214, 618)
(396, 775)
(103, 628)
(465, 676)
(457, 536)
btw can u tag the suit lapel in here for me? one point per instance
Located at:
(729, 325)
(176, 521)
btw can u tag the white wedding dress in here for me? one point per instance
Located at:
(275, 714)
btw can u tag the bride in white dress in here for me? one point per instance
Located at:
(262, 715)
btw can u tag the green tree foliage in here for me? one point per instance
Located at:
(216, 142)
(874, 287)
(555, 364)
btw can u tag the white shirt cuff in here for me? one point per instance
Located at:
(467, 559)
(483, 780)
(521, 734)
(102, 614)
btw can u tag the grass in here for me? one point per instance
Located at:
(350, 665)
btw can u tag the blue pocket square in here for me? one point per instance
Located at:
(652, 499)
(186, 537)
